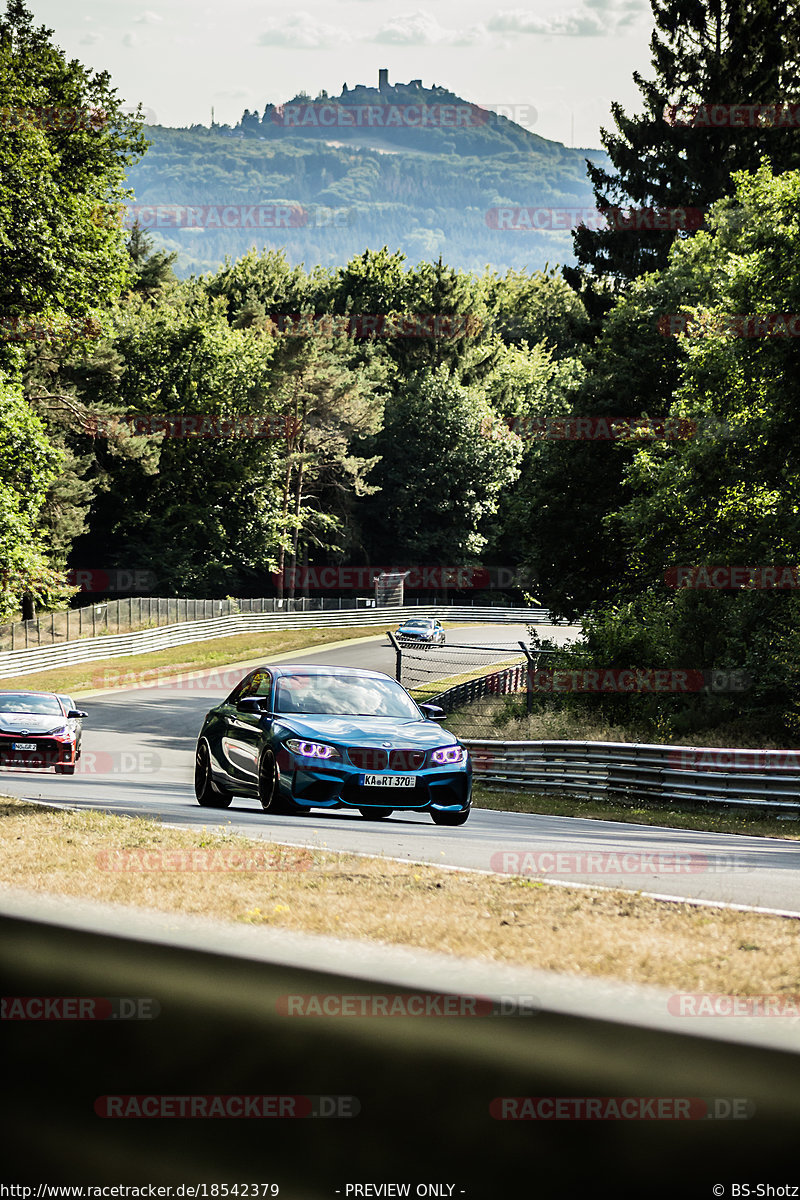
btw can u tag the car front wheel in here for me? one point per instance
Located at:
(449, 818)
(65, 769)
(208, 793)
(269, 789)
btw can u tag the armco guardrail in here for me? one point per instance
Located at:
(25, 662)
(754, 778)
(222, 1027)
(497, 683)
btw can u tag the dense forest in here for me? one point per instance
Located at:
(481, 440)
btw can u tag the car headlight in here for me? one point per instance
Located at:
(312, 749)
(65, 732)
(448, 755)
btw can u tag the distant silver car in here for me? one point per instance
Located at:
(420, 631)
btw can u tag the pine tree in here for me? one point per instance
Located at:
(704, 52)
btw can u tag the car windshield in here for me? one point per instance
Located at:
(343, 695)
(416, 624)
(30, 702)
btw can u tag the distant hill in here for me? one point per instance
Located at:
(417, 169)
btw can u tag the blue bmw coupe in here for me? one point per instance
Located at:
(303, 737)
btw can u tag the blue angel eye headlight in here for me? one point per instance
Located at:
(312, 749)
(448, 755)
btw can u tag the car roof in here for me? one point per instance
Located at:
(316, 669)
(25, 692)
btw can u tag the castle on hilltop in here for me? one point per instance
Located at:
(384, 85)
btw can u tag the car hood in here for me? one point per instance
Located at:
(30, 722)
(366, 731)
(420, 631)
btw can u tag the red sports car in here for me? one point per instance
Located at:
(36, 730)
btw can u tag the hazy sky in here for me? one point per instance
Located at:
(555, 60)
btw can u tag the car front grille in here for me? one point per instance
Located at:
(368, 758)
(406, 760)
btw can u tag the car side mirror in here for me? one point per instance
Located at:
(77, 713)
(433, 712)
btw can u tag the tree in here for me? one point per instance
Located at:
(152, 269)
(65, 145)
(704, 52)
(730, 494)
(332, 406)
(200, 511)
(28, 465)
(445, 459)
(536, 308)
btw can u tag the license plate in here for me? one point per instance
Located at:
(389, 781)
(23, 745)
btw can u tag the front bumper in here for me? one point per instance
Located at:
(339, 786)
(49, 752)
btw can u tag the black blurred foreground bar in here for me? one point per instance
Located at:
(424, 1085)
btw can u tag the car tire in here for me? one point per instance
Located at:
(449, 818)
(208, 793)
(376, 814)
(268, 790)
(65, 769)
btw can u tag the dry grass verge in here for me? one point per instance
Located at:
(510, 920)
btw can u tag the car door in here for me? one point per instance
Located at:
(243, 732)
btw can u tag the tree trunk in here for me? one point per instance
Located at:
(298, 497)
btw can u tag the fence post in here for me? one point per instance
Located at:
(532, 665)
(398, 670)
